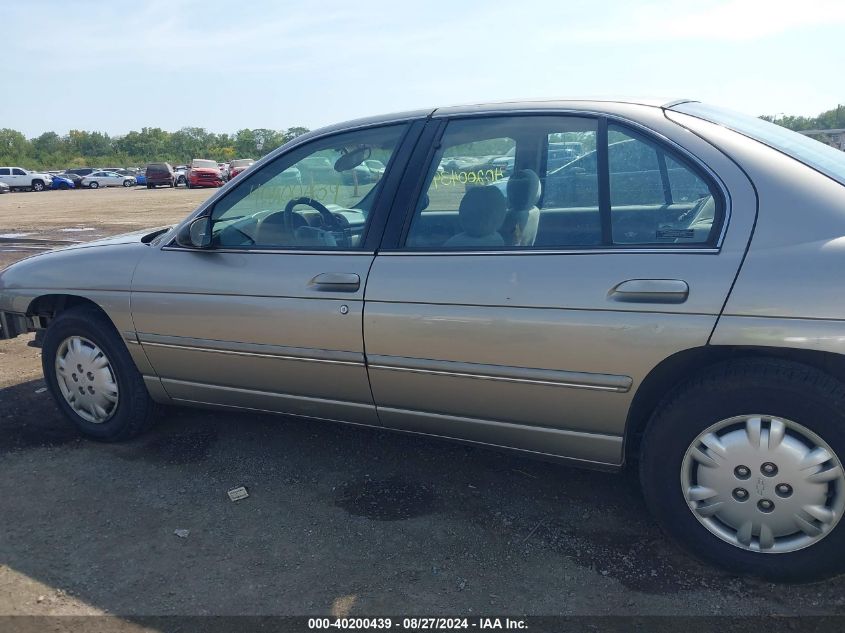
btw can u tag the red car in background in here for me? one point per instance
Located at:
(238, 165)
(204, 173)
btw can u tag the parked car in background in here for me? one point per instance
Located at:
(224, 171)
(158, 174)
(19, 178)
(683, 319)
(204, 173)
(238, 165)
(317, 170)
(62, 182)
(4, 188)
(141, 178)
(376, 167)
(81, 171)
(76, 179)
(107, 179)
(181, 174)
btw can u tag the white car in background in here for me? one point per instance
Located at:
(181, 173)
(20, 178)
(107, 179)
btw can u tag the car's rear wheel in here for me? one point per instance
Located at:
(92, 377)
(93, 185)
(743, 465)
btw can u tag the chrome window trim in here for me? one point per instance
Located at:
(266, 251)
(562, 251)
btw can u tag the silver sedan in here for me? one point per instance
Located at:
(107, 179)
(664, 301)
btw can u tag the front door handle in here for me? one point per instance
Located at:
(650, 291)
(336, 282)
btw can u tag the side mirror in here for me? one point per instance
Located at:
(197, 234)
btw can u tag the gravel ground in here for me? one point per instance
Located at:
(339, 520)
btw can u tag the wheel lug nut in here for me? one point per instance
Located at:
(783, 490)
(742, 472)
(740, 494)
(769, 469)
(90, 376)
(765, 505)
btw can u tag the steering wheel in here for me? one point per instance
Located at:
(329, 219)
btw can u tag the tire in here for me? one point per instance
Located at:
(64, 186)
(94, 185)
(134, 411)
(38, 185)
(127, 183)
(187, 184)
(747, 396)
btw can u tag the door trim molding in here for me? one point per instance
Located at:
(502, 373)
(305, 354)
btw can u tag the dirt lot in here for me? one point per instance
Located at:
(339, 520)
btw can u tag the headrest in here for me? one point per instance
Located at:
(523, 190)
(482, 210)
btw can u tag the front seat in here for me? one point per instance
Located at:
(481, 213)
(523, 217)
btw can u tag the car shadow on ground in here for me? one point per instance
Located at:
(382, 522)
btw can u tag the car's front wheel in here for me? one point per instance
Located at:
(92, 377)
(743, 465)
(37, 185)
(127, 183)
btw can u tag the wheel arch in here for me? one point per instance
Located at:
(680, 367)
(45, 308)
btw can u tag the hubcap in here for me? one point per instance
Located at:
(86, 379)
(764, 484)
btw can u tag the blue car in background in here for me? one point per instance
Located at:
(61, 182)
(140, 178)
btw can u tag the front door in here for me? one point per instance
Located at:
(524, 302)
(270, 316)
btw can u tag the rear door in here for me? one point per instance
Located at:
(527, 316)
(270, 316)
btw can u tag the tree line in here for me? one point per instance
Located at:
(79, 148)
(828, 120)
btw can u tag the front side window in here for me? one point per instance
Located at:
(315, 197)
(18, 172)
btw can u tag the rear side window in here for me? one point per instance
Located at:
(4, 171)
(559, 182)
(654, 197)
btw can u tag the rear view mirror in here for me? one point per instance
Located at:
(196, 234)
(352, 158)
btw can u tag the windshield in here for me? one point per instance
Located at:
(821, 157)
(204, 164)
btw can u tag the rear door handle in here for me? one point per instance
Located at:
(336, 282)
(650, 291)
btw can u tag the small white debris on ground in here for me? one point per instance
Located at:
(236, 494)
(182, 533)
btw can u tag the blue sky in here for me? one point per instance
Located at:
(225, 65)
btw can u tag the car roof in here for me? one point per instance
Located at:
(503, 107)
